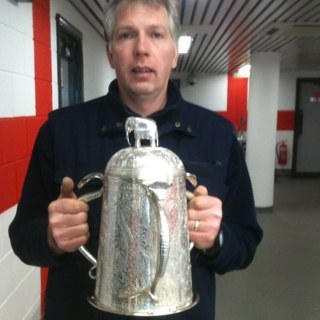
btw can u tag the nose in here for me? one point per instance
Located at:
(141, 46)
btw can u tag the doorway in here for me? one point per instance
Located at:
(306, 146)
(70, 63)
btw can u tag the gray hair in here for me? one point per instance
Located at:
(170, 5)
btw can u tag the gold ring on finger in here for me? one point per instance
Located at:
(196, 225)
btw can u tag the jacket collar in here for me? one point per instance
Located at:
(173, 117)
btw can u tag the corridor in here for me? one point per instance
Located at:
(283, 282)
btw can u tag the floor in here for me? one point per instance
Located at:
(283, 282)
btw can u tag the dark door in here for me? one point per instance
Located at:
(70, 63)
(306, 148)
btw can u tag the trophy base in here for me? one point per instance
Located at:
(144, 313)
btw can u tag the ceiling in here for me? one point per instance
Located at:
(226, 32)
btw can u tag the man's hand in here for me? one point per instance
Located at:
(68, 228)
(204, 218)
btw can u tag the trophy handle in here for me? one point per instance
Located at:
(164, 237)
(163, 244)
(87, 198)
(193, 180)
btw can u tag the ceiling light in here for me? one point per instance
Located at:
(243, 72)
(184, 44)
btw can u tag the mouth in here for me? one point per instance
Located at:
(142, 70)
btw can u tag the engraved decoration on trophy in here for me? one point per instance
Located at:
(143, 266)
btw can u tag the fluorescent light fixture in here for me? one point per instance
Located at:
(184, 44)
(244, 72)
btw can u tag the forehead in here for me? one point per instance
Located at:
(142, 14)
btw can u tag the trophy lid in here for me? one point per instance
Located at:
(144, 161)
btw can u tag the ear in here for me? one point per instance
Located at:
(175, 59)
(109, 55)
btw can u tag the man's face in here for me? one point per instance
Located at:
(142, 50)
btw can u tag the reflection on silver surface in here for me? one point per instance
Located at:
(143, 265)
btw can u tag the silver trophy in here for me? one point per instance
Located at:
(143, 266)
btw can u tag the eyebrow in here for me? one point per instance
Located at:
(152, 26)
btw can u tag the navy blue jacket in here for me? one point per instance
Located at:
(79, 140)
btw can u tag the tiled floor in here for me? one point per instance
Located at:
(283, 282)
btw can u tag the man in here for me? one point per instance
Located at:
(51, 223)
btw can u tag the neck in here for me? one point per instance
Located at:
(145, 105)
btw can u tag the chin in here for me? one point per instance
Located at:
(143, 88)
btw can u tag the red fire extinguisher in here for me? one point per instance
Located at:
(282, 151)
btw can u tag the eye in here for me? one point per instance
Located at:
(157, 35)
(126, 35)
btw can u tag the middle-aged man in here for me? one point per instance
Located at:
(51, 223)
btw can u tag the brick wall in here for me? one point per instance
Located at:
(19, 123)
(29, 90)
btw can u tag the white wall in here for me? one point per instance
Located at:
(17, 89)
(209, 91)
(97, 72)
(20, 284)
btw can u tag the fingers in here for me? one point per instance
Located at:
(68, 228)
(67, 219)
(63, 203)
(66, 189)
(204, 218)
(71, 238)
(204, 235)
(203, 226)
(203, 204)
(201, 191)
(67, 206)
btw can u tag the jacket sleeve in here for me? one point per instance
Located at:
(28, 230)
(241, 231)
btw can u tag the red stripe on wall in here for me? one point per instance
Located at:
(285, 120)
(43, 79)
(237, 106)
(17, 135)
(42, 50)
(237, 101)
